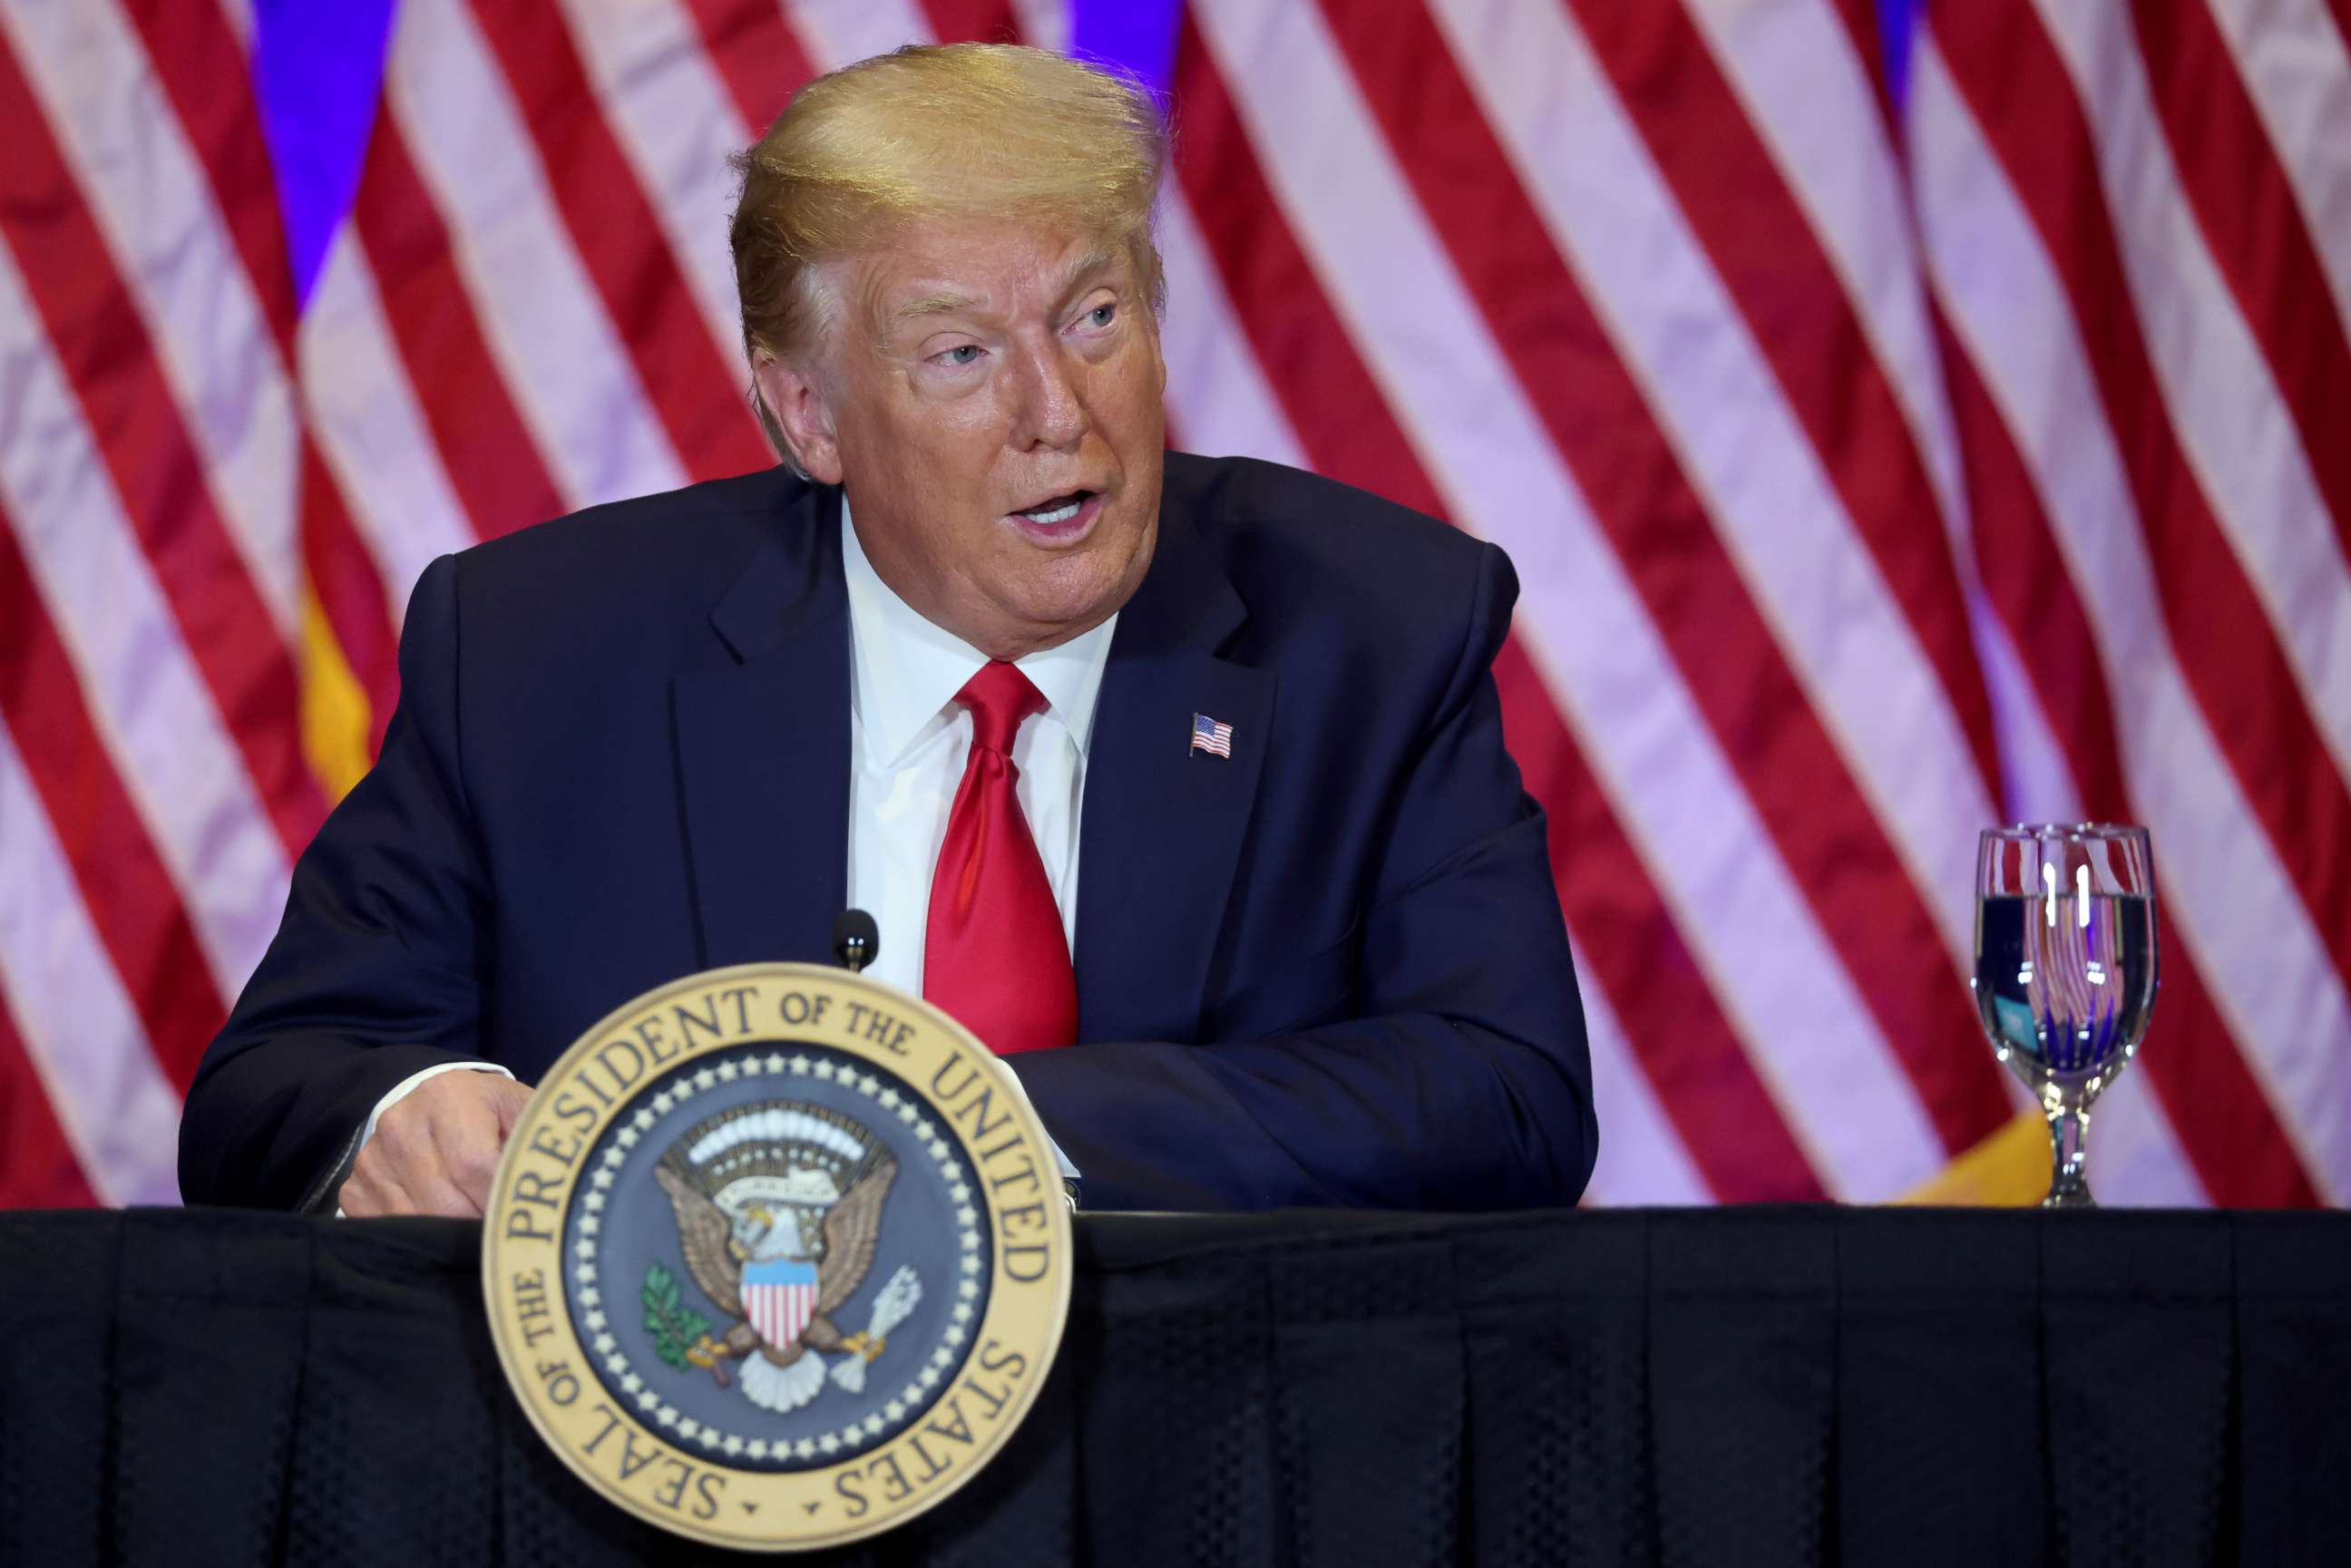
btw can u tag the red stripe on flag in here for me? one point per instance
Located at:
(492, 458)
(40, 1170)
(1298, 339)
(350, 589)
(2224, 1121)
(131, 897)
(1349, 433)
(2255, 229)
(757, 55)
(205, 74)
(621, 244)
(1754, 701)
(351, 592)
(1687, 1049)
(2025, 577)
(983, 21)
(1793, 300)
(1860, 18)
(128, 403)
(2017, 86)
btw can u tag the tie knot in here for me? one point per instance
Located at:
(999, 698)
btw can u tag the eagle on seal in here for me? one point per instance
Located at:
(783, 1188)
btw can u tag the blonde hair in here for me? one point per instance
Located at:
(931, 132)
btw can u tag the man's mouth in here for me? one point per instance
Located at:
(1059, 519)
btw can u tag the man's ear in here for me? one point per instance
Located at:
(797, 403)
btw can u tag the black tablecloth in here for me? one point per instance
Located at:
(1699, 1387)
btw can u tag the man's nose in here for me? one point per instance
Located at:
(1052, 409)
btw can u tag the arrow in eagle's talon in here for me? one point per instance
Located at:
(704, 1352)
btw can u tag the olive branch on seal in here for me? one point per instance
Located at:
(673, 1324)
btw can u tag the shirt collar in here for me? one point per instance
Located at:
(906, 671)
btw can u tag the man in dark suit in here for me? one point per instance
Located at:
(1182, 782)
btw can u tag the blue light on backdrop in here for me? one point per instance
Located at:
(318, 70)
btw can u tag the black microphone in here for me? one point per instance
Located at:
(856, 940)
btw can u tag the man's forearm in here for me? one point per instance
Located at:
(1407, 1112)
(267, 1122)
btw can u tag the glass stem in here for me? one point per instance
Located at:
(2069, 1138)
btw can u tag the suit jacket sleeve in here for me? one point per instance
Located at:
(377, 969)
(1453, 1074)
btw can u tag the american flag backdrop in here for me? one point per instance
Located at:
(1898, 424)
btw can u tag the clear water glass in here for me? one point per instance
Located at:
(2065, 970)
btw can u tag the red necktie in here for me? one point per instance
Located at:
(995, 955)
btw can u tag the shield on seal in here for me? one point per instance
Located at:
(780, 1297)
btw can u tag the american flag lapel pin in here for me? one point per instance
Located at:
(1208, 735)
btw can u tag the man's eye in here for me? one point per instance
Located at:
(1102, 315)
(961, 354)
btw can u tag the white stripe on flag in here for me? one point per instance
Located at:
(2036, 780)
(2224, 404)
(1809, 1035)
(2140, 1162)
(1216, 392)
(1681, 337)
(1044, 23)
(118, 1112)
(151, 199)
(837, 32)
(370, 429)
(571, 377)
(2229, 897)
(147, 699)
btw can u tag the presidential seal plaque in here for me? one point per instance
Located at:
(777, 1257)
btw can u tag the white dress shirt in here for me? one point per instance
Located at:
(908, 741)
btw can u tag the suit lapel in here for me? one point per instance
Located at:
(763, 751)
(1160, 835)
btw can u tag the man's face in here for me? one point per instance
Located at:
(990, 399)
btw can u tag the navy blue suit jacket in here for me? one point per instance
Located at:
(1330, 970)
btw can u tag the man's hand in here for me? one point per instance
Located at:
(436, 1150)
